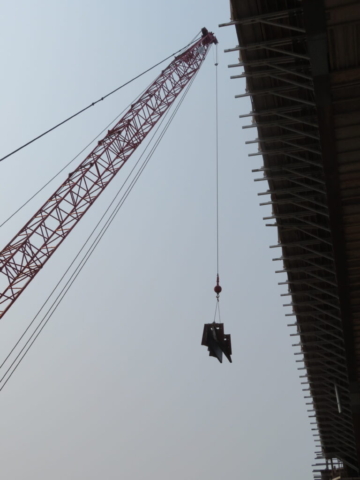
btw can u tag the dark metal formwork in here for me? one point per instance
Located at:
(301, 61)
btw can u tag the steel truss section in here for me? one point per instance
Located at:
(32, 247)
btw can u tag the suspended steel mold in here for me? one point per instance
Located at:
(217, 342)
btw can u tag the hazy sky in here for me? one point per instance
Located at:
(117, 385)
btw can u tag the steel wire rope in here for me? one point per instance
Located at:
(97, 101)
(75, 274)
(93, 231)
(91, 249)
(217, 306)
(60, 171)
(217, 158)
(76, 156)
(217, 311)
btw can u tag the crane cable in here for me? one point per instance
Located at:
(71, 161)
(58, 173)
(92, 141)
(25, 349)
(217, 288)
(217, 161)
(97, 101)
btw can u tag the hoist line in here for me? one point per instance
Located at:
(87, 240)
(91, 249)
(57, 174)
(217, 159)
(96, 102)
(71, 161)
(55, 219)
(216, 309)
(217, 305)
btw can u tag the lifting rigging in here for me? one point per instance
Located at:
(29, 336)
(30, 249)
(35, 243)
(213, 335)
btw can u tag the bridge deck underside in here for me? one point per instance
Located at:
(301, 61)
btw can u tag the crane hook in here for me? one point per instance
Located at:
(217, 288)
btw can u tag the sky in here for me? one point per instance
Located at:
(117, 384)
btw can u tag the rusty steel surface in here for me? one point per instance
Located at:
(301, 62)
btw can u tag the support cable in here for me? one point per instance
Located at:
(16, 362)
(57, 174)
(97, 101)
(69, 163)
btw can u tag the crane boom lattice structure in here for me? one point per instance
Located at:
(35, 243)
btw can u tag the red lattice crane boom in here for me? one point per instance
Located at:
(36, 242)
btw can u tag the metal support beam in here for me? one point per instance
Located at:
(301, 174)
(294, 99)
(311, 188)
(283, 25)
(268, 44)
(270, 71)
(296, 243)
(302, 159)
(261, 61)
(272, 111)
(280, 191)
(279, 168)
(301, 132)
(306, 148)
(323, 267)
(264, 91)
(297, 119)
(277, 123)
(291, 215)
(286, 52)
(319, 321)
(293, 72)
(306, 86)
(263, 16)
(311, 209)
(327, 242)
(286, 151)
(273, 138)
